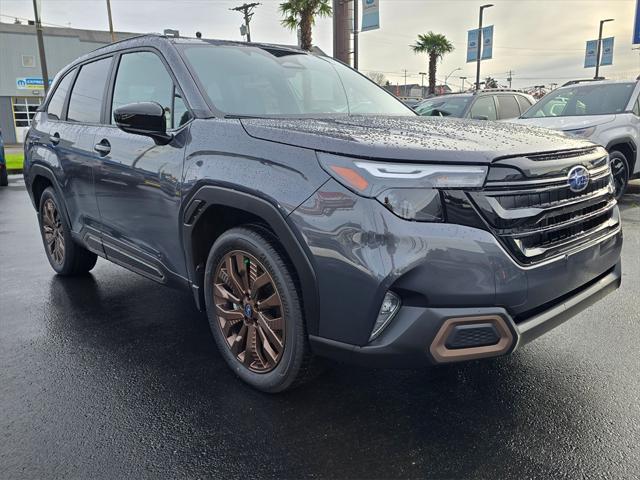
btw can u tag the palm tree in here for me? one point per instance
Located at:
(302, 14)
(435, 45)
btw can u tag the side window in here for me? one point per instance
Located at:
(636, 107)
(85, 104)
(508, 106)
(484, 108)
(524, 102)
(142, 77)
(54, 110)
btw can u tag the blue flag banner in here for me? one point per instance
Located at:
(590, 54)
(472, 45)
(370, 15)
(487, 42)
(607, 51)
(636, 24)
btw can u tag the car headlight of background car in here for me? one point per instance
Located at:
(409, 190)
(581, 132)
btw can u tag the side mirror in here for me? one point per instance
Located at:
(143, 118)
(480, 117)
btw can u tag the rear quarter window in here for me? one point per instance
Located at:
(56, 104)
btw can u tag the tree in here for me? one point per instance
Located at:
(302, 14)
(490, 83)
(435, 45)
(378, 77)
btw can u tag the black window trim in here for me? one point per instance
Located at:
(111, 83)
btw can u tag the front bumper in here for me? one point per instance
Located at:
(409, 339)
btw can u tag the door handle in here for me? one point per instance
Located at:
(54, 139)
(103, 148)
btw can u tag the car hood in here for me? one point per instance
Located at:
(567, 123)
(412, 138)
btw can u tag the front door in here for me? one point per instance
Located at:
(137, 182)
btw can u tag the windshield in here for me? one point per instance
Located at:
(261, 81)
(596, 99)
(444, 107)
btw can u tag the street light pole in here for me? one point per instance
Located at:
(422, 74)
(446, 77)
(479, 51)
(43, 59)
(355, 34)
(599, 49)
(463, 79)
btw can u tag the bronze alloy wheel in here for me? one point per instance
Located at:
(53, 231)
(249, 311)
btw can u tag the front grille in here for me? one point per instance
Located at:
(536, 215)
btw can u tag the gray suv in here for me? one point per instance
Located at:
(312, 214)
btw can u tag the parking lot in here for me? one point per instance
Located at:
(112, 376)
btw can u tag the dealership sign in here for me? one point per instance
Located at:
(487, 44)
(607, 51)
(591, 53)
(30, 83)
(636, 24)
(370, 15)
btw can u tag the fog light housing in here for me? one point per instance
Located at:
(388, 309)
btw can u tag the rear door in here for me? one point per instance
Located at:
(137, 181)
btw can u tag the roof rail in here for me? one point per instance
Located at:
(575, 82)
(499, 89)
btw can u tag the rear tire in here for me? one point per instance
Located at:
(64, 254)
(4, 176)
(255, 312)
(620, 172)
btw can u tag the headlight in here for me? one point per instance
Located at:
(581, 132)
(409, 190)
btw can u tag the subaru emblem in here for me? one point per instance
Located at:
(578, 178)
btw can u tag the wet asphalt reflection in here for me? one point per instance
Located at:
(112, 376)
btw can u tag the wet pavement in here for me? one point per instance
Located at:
(113, 376)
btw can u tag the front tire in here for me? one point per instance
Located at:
(64, 254)
(255, 312)
(620, 171)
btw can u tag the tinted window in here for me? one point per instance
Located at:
(508, 106)
(57, 100)
(253, 80)
(483, 109)
(142, 77)
(85, 103)
(585, 99)
(444, 107)
(524, 102)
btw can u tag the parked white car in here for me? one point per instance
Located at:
(606, 112)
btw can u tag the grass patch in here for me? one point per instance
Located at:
(14, 160)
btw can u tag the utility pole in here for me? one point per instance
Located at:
(405, 83)
(113, 35)
(422, 74)
(599, 49)
(43, 59)
(479, 51)
(247, 11)
(355, 34)
(463, 79)
(510, 78)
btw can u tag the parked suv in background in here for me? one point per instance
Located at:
(606, 112)
(488, 104)
(313, 214)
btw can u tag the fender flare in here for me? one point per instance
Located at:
(211, 195)
(625, 140)
(38, 170)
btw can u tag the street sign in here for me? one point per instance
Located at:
(370, 15)
(607, 51)
(590, 54)
(487, 44)
(636, 24)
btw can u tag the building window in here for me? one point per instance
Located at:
(28, 61)
(24, 108)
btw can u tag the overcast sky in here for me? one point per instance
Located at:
(541, 41)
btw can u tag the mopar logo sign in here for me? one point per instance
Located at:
(578, 178)
(30, 83)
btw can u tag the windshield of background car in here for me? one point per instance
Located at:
(444, 107)
(596, 99)
(260, 81)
